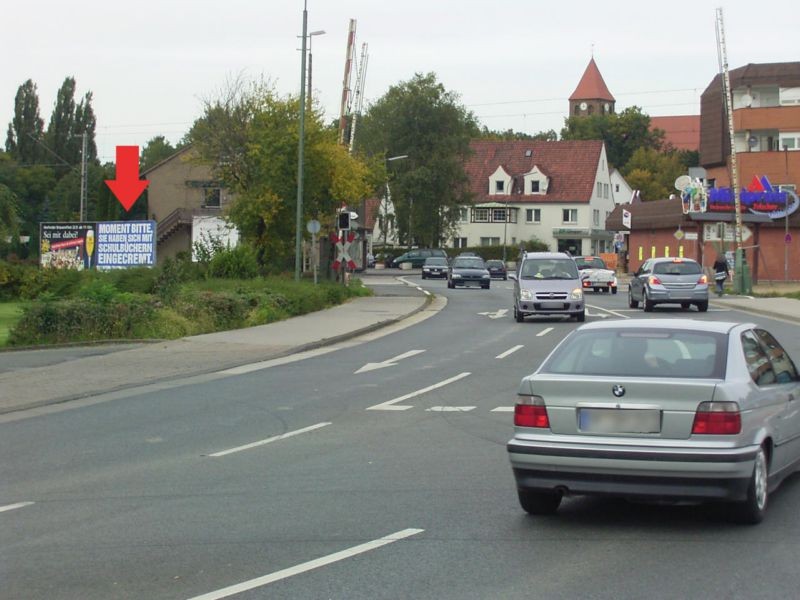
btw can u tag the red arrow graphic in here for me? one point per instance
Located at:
(127, 187)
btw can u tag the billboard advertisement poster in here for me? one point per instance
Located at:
(122, 244)
(67, 245)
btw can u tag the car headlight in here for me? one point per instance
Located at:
(577, 294)
(525, 295)
(486, 276)
(456, 275)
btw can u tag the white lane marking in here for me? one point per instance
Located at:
(308, 566)
(589, 314)
(450, 408)
(613, 312)
(499, 314)
(276, 438)
(509, 351)
(275, 362)
(503, 409)
(389, 362)
(14, 506)
(427, 293)
(390, 404)
(544, 332)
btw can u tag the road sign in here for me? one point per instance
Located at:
(678, 235)
(343, 250)
(313, 226)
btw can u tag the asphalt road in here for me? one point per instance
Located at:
(379, 471)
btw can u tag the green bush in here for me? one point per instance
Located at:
(45, 322)
(234, 263)
(139, 280)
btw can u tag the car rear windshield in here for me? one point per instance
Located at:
(590, 263)
(641, 353)
(677, 268)
(549, 268)
(436, 260)
(468, 263)
(494, 263)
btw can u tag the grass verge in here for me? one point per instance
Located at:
(10, 313)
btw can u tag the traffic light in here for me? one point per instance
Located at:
(344, 220)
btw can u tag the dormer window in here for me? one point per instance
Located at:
(499, 186)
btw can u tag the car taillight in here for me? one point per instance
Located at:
(653, 280)
(586, 284)
(530, 411)
(717, 418)
(703, 279)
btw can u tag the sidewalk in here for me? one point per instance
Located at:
(71, 378)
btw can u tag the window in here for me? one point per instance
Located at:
(789, 141)
(498, 215)
(783, 366)
(480, 215)
(577, 110)
(460, 242)
(533, 215)
(616, 188)
(789, 96)
(490, 241)
(599, 189)
(499, 186)
(605, 190)
(211, 197)
(569, 215)
(757, 361)
(591, 109)
(463, 214)
(596, 218)
(535, 187)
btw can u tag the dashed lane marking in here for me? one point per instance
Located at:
(276, 438)
(14, 506)
(450, 409)
(544, 332)
(509, 351)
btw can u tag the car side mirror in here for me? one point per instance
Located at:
(512, 276)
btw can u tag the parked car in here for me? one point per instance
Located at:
(669, 281)
(662, 409)
(497, 269)
(547, 283)
(595, 275)
(466, 271)
(417, 257)
(435, 266)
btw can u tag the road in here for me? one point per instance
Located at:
(376, 471)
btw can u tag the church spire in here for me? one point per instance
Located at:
(592, 95)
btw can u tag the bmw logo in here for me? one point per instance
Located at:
(618, 391)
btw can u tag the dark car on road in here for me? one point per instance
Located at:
(435, 266)
(417, 257)
(667, 280)
(497, 269)
(659, 409)
(466, 271)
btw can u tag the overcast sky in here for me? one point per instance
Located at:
(514, 63)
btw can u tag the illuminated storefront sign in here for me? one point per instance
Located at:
(758, 198)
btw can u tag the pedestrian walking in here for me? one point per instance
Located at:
(720, 273)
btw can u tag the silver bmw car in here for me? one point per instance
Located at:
(674, 409)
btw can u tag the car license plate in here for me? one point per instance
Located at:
(619, 420)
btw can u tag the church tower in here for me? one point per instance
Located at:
(591, 97)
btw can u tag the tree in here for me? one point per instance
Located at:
(156, 150)
(653, 172)
(26, 127)
(68, 122)
(419, 118)
(623, 133)
(509, 134)
(249, 136)
(9, 214)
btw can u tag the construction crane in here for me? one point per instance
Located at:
(358, 94)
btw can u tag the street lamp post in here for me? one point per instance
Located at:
(310, 36)
(298, 230)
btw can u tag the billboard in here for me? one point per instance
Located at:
(104, 245)
(123, 244)
(67, 245)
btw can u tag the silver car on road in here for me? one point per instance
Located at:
(669, 281)
(659, 409)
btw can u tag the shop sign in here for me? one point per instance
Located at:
(758, 198)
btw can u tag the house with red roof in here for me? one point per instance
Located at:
(557, 192)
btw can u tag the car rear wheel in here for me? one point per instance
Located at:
(539, 503)
(631, 302)
(648, 304)
(752, 510)
(702, 306)
(450, 284)
(685, 305)
(613, 290)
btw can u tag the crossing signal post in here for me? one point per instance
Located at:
(344, 220)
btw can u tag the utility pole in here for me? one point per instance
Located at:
(298, 246)
(83, 177)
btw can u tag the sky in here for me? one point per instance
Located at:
(513, 63)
